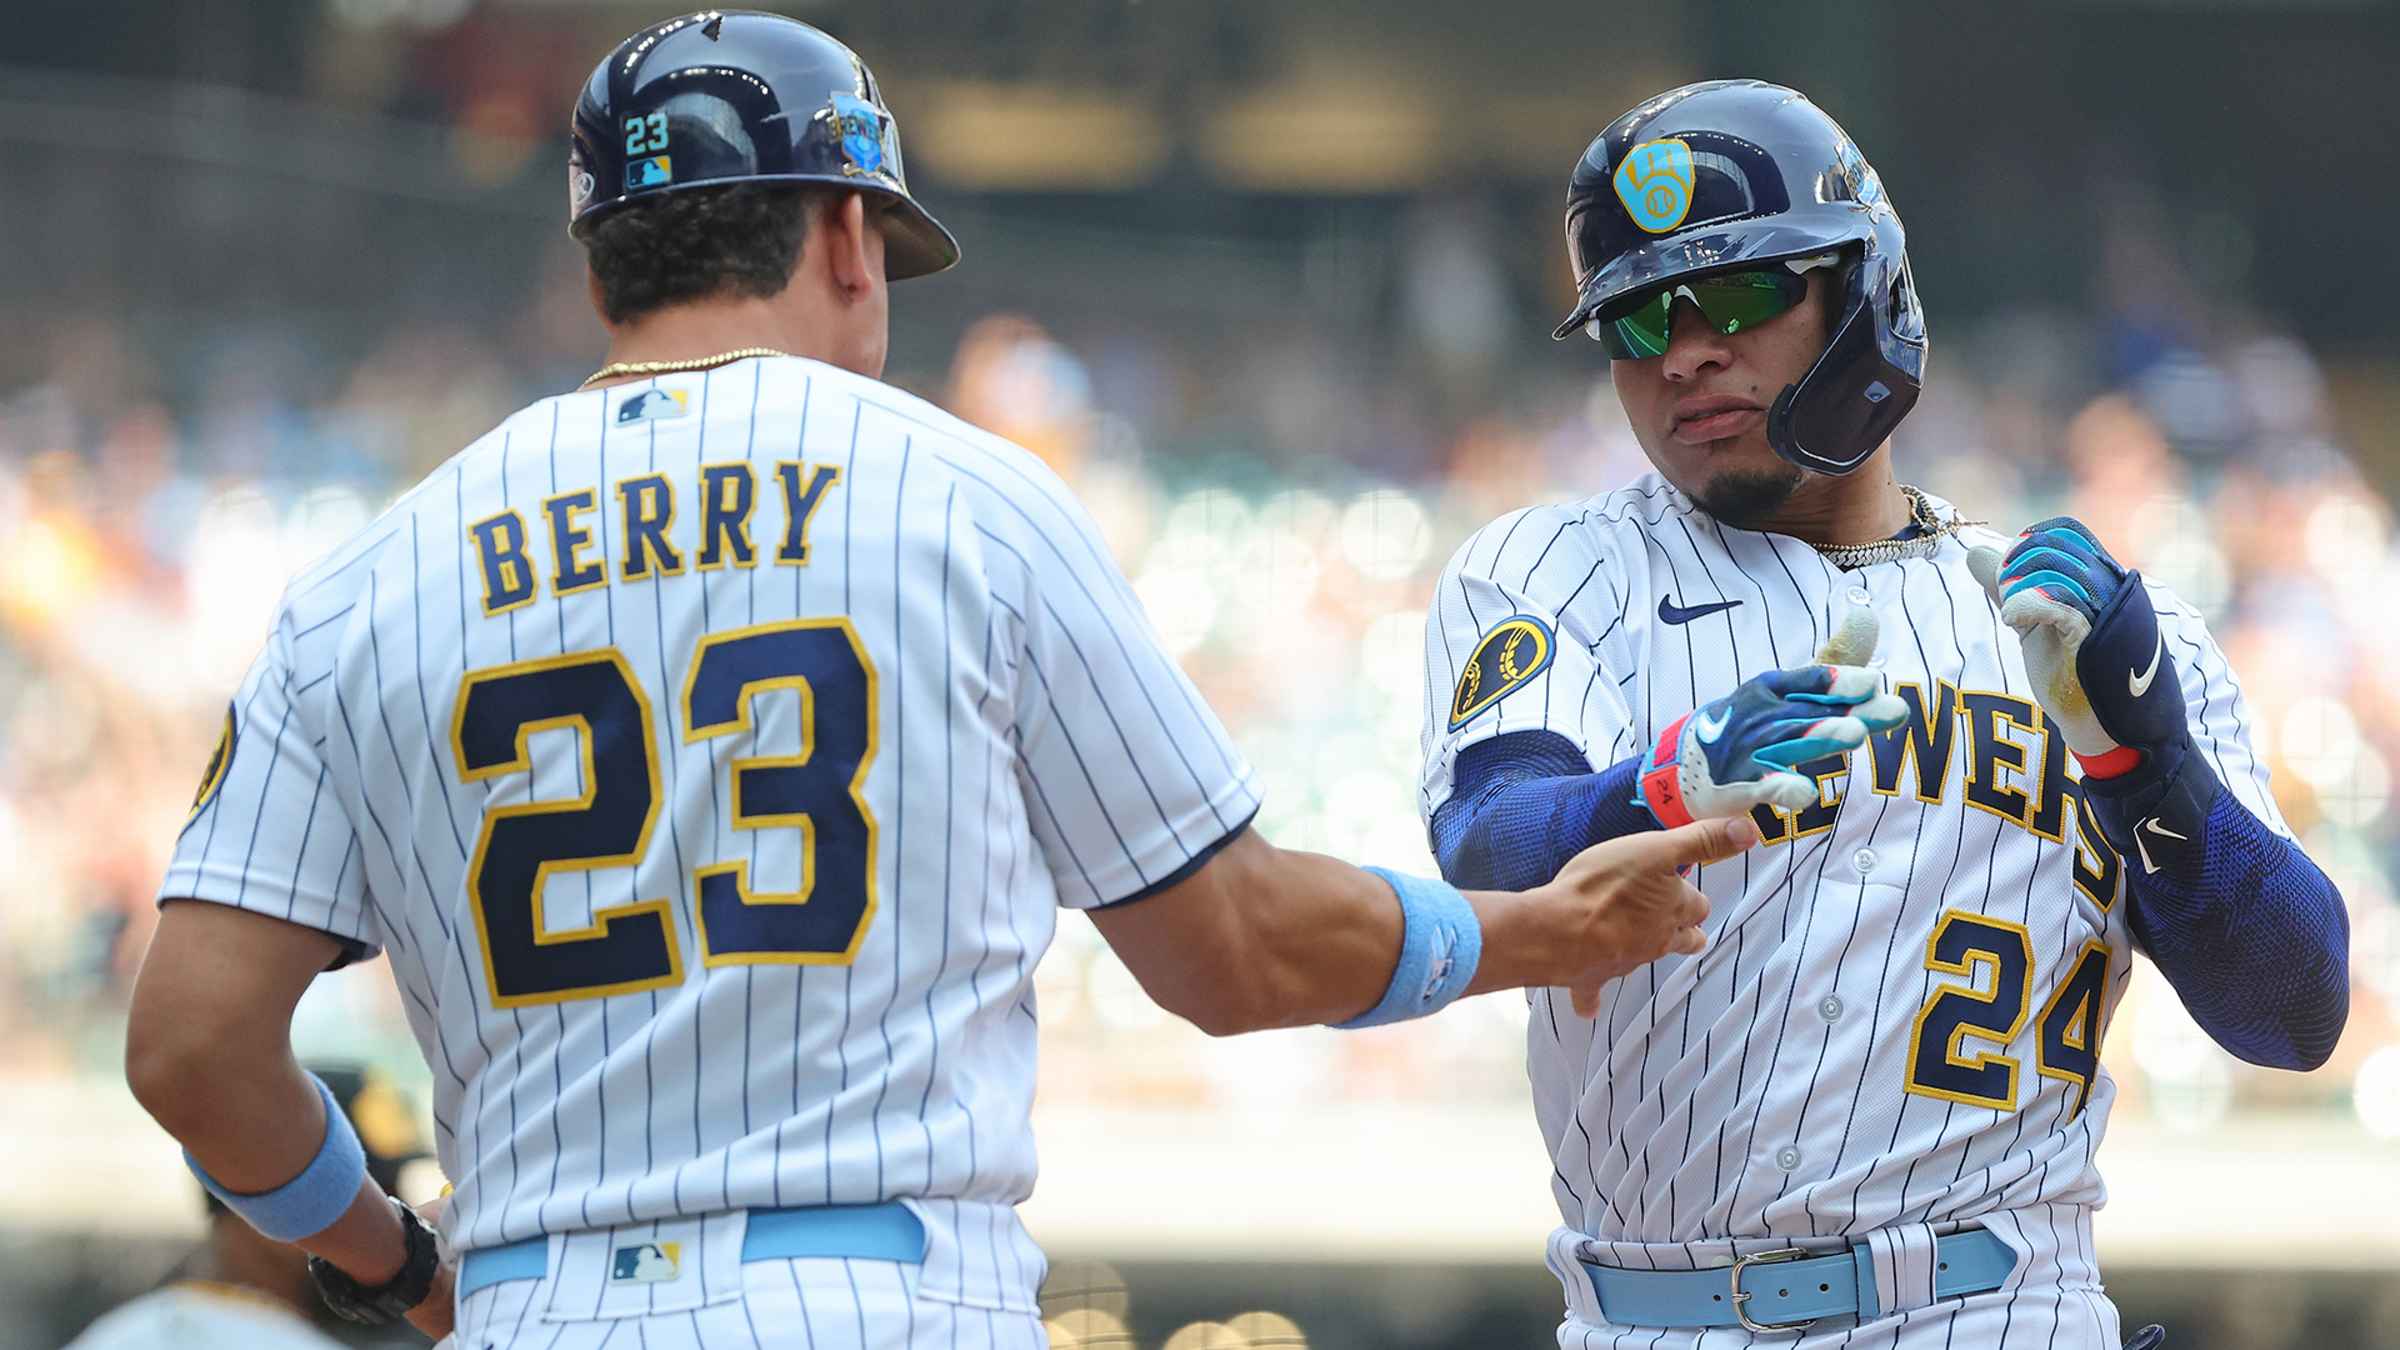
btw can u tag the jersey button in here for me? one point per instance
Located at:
(1787, 1158)
(1864, 861)
(1859, 596)
(1830, 1008)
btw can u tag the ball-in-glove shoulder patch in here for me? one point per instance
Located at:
(1506, 659)
(219, 764)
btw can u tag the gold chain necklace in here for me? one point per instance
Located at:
(1931, 530)
(614, 369)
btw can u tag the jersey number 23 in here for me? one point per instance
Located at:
(632, 946)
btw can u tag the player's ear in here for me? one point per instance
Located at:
(853, 247)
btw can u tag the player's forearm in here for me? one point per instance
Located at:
(2250, 932)
(1261, 937)
(1323, 937)
(1300, 939)
(1328, 957)
(208, 1054)
(254, 1121)
(1525, 804)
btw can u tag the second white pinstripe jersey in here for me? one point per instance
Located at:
(1898, 1017)
(711, 756)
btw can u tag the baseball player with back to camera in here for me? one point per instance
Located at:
(1987, 772)
(710, 749)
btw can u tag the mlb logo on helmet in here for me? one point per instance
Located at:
(655, 171)
(647, 1263)
(653, 405)
(1654, 181)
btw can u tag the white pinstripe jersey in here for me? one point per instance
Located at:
(1898, 1015)
(711, 756)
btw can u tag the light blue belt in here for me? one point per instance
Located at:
(1787, 1289)
(885, 1232)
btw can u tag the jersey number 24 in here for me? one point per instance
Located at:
(632, 946)
(1942, 1064)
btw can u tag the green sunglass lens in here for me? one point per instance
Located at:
(1732, 302)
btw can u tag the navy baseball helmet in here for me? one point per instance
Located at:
(736, 96)
(1726, 175)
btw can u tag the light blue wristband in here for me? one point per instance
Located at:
(309, 1203)
(1441, 941)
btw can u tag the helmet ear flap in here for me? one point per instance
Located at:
(1867, 379)
(1905, 315)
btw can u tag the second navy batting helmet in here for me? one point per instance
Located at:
(736, 96)
(1727, 175)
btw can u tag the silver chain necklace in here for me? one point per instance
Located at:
(1931, 530)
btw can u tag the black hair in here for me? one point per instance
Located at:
(741, 239)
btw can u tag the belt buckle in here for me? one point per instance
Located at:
(1742, 1296)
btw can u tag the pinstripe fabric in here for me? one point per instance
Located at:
(1033, 748)
(1759, 1088)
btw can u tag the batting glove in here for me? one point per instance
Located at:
(2091, 643)
(1741, 751)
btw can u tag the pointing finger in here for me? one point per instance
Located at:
(1984, 561)
(1855, 632)
(1702, 841)
(1584, 994)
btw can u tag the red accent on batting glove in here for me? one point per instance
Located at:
(1662, 777)
(2123, 759)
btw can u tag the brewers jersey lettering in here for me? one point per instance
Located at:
(1896, 1025)
(711, 756)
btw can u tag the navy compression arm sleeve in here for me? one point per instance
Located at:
(1524, 804)
(2252, 935)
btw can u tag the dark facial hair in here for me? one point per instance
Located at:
(1744, 498)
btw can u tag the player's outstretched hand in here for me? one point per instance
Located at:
(1633, 904)
(1741, 750)
(2090, 639)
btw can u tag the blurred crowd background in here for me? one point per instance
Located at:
(1272, 286)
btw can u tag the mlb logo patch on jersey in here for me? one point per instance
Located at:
(647, 1263)
(1513, 652)
(653, 171)
(651, 405)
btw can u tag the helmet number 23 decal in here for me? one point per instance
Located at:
(645, 134)
(1654, 180)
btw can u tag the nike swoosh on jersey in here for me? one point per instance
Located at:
(1670, 612)
(2153, 827)
(2138, 683)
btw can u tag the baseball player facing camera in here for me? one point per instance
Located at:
(1986, 772)
(712, 748)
